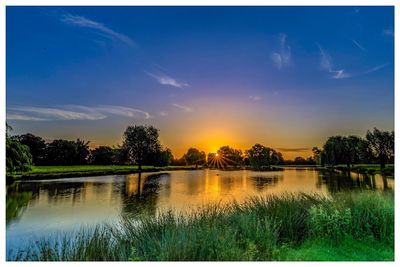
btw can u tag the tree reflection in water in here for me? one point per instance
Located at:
(16, 203)
(139, 194)
(260, 182)
(336, 182)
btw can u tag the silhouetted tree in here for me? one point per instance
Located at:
(140, 142)
(163, 158)
(347, 150)
(317, 155)
(381, 144)
(160, 158)
(260, 156)
(210, 158)
(103, 155)
(230, 156)
(64, 152)
(195, 157)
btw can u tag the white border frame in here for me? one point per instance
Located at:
(190, 3)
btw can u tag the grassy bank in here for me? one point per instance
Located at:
(348, 226)
(43, 172)
(51, 172)
(368, 169)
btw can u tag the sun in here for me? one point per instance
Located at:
(216, 154)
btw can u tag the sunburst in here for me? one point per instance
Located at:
(219, 161)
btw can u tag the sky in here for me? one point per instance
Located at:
(284, 77)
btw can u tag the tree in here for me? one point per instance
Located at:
(140, 142)
(82, 152)
(260, 156)
(317, 155)
(163, 158)
(64, 152)
(347, 150)
(195, 157)
(230, 156)
(37, 147)
(103, 155)
(381, 144)
(18, 157)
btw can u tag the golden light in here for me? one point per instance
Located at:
(216, 154)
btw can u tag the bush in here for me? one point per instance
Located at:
(372, 214)
(329, 222)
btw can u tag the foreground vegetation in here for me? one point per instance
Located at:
(347, 226)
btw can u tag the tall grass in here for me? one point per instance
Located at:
(259, 229)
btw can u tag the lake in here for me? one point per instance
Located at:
(36, 209)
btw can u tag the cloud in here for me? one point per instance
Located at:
(388, 32)
(376, 68)
(358, 45)
(163, 114)
(19, 117)
(255, 97)
(301, 149)
(167, 80)
(184, 108)
(71, 112)
(87, 23)
(282, 56)
(326, 64)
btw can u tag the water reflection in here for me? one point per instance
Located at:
(261, 182)
(139, 194)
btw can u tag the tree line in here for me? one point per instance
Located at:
(141, 146)
(377, 147)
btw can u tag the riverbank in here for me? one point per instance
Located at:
(357, 226)
(366, 169)
(52, 172)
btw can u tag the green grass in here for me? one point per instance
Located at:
(369, 168)
(349, 249)
(349, 226)
(38, 172)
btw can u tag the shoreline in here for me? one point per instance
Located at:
(47, 175)
(59, 172)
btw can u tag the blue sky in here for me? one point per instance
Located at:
(287, 77)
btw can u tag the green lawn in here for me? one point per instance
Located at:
(348, 249)
(81, 170)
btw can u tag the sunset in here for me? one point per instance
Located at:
(200, 133)
(206, 77)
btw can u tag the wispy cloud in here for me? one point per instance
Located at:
(388, 32)
(376, 68)
(184, 108)
(167, 80)
(282, 56)
(358, 45)
(301, 149)
(163, 114)
(87, 23)
(255, 97)
(326, 64)
(71, 112)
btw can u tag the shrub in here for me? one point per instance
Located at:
(330, 222)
